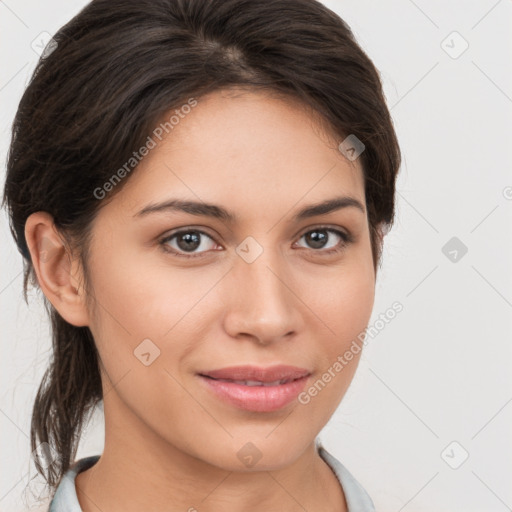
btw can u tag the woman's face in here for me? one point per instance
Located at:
(264, 288)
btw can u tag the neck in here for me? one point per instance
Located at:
(139, 470)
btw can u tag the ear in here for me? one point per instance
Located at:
(58, 273)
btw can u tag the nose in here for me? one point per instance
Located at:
(262, 304)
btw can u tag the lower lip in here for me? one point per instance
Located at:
(257, 398)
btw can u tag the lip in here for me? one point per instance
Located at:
(257, 398)
(262, 374)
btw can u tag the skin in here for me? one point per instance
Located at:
(170, 444)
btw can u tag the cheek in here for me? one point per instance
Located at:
(340, 301)
(139, 328)
(141, 309)
(346, 311)
(348, 307)
(342, 312)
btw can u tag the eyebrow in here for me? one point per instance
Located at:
(218, 212)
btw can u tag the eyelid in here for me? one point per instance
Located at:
(326, 227)
(162, 241)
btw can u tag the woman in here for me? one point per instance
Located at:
(201, 190)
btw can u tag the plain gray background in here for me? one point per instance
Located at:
(434, 385)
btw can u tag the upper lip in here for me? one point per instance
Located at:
(259, 374)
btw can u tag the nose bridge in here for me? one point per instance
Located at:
(262, 304)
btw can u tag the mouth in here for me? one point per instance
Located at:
(275, 375)
(254, 382)
(265, 393)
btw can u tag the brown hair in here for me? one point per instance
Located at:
(117, 67)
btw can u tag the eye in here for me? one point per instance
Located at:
(187, 240)
(317, 238)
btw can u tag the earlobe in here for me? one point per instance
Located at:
(55, 268)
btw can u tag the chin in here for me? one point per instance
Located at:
(258, 453)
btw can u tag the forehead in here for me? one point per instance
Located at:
(245, 148)
(242, 119)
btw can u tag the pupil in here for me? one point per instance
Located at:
(192, 237)
(315, 236)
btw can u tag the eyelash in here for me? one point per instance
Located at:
(346, 240)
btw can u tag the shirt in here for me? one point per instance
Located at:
(65, 498)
